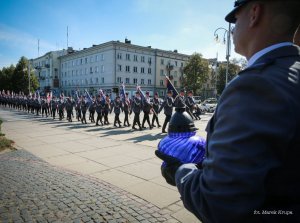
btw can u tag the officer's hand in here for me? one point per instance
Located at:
(169, 167)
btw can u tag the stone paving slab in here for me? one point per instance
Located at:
(34, 191)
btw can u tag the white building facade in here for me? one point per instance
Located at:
(46, 69)
(106, 66)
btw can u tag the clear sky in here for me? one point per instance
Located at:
(185, 25)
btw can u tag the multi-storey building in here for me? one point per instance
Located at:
(46, 68)
(106, 66)
(169, 64)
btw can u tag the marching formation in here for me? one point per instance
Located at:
(101, 106)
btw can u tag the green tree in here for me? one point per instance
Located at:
(20, 77)
(221, 75)
(196, 73)
(5, 78)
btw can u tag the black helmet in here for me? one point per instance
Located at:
(181, 121)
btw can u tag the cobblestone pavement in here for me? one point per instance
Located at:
(32, 190)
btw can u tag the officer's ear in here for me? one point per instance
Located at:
(256, 10)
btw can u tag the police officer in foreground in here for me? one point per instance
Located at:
(251, 171)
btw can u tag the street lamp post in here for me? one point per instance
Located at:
(227, 33)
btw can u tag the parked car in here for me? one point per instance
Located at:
(197, 99)
(210, 104)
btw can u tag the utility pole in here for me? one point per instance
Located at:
(28, 77)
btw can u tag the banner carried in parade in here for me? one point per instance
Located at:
(122, 92)
(171, 87)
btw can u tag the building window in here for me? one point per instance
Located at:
(102, 57)
(97, 58)
(76, 72)
(119, 80)
(91, 70)
(127, 68)
(97, 81)
(102, 69)
(81, 61)
(85, 71)
(149, 81)
(86, 82)
(149, 70)
(102, 80)
(134, 69)
(62, 66)
(127, 56)
(96, 69)
(161, 72)
(86, 60)
(175, 83)
(119, 56)
(142, 70)
(119, 67)
(127, 80)
(72, 63)
(135, 58)
(149, 60)
(162, 61)
(161, 83)
(72, 73)
(142, 82)
(175, 73)
(181, 64)
(91, 59)
(143, 59)
(134, 80)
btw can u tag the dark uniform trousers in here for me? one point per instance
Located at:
(136, 120)
(146, 118)
(126, 118)
(167, 119)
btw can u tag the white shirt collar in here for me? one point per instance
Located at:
(259, 54)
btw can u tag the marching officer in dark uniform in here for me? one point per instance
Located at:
(92, 110)
(37, 105)
(61, 107)
(251, 170)
(147, 106)
(44, 107)
(155, 106)
(117, 107)
(179, 101)
(167, 105)
(99, 109)
(78, 109)
(53, 105)
(190, 104)
(126, 109)
(136, 108)
(69, 109)
(83, 108)
(106, 109)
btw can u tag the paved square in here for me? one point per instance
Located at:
(119, 156)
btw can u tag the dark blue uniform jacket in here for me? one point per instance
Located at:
(251, 173)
